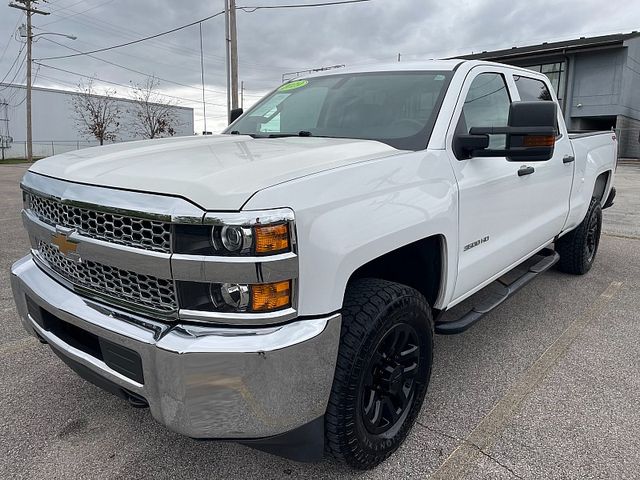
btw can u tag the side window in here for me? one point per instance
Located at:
(487, 105)
(531, 89)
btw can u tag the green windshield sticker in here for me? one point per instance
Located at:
(438, 78)
(293, 85)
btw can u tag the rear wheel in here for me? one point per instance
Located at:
(578, 248)
(382, 373)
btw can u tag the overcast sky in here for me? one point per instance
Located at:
(272, 42)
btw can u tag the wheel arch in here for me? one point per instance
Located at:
(421, 264)
(601, 186)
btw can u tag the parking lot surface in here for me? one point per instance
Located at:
(546, 386)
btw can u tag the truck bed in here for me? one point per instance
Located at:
(587, 133)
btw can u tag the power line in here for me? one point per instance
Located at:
(167, 46)
(301, 5)
(137, 58)
(13, 94)
(14, 63)
(118, 30)
(121, 84)
(112, 30)
(67, 7)
(65, 82)
(15, 75)
(73, 14)
(9, 41)
(126, 44)
(133, 69)
(245, 9)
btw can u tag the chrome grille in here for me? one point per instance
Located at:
(124, 230)
(151, 292)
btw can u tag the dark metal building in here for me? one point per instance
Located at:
(597, 81)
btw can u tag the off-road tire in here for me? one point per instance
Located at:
(373, 311)
(578, 248)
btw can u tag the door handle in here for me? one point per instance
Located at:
(568, 159)
(524, 170)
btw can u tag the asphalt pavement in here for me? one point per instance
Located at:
(546, 386)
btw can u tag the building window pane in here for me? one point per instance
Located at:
(554, 78)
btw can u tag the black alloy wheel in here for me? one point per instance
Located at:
(593, 238)
(389, 384)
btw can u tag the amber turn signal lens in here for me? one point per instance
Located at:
(270, 296)
(539, 141)
(272, 238)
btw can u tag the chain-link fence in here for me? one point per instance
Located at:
(45, 148)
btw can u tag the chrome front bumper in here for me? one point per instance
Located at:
(200, 381)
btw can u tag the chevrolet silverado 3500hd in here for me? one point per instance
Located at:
(280, 284)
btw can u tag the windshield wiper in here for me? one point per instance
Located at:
(252, 135)
(301, 133)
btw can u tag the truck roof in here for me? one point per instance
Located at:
(426, 65)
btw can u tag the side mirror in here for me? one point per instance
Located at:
(470, 143)
(235, 113)
(531, 134)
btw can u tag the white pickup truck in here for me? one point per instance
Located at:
(280, 284)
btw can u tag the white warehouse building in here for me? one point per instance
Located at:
(54, 125)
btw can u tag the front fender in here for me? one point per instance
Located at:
(348, 216)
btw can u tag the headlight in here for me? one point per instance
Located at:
(257, 240)
(235, 238)
(238, 234)
(236, 298)
(231, 240)
(223, 286)
(229, 295)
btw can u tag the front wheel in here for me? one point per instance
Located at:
(578, 248)
(382, 372)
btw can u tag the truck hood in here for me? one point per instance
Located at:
(218, 172)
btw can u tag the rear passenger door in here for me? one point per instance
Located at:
(503, 216)
(553, 178)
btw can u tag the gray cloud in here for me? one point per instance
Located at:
(272, 42)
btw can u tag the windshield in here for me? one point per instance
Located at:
(397, 108)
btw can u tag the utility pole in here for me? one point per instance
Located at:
(231, 50)
(204, 103)
(26, 5)
(228, 62)
(5, 137)
(242, 94)
(233, 38)
(399, 55)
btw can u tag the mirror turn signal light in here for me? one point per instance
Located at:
(272, 238)
(270, 296)
(539, 141)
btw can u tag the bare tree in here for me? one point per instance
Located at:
(153, 116)
(96, 115)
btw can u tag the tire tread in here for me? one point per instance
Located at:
(365, 303)
(570, 247)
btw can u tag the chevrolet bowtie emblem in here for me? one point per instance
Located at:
(65, 246)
